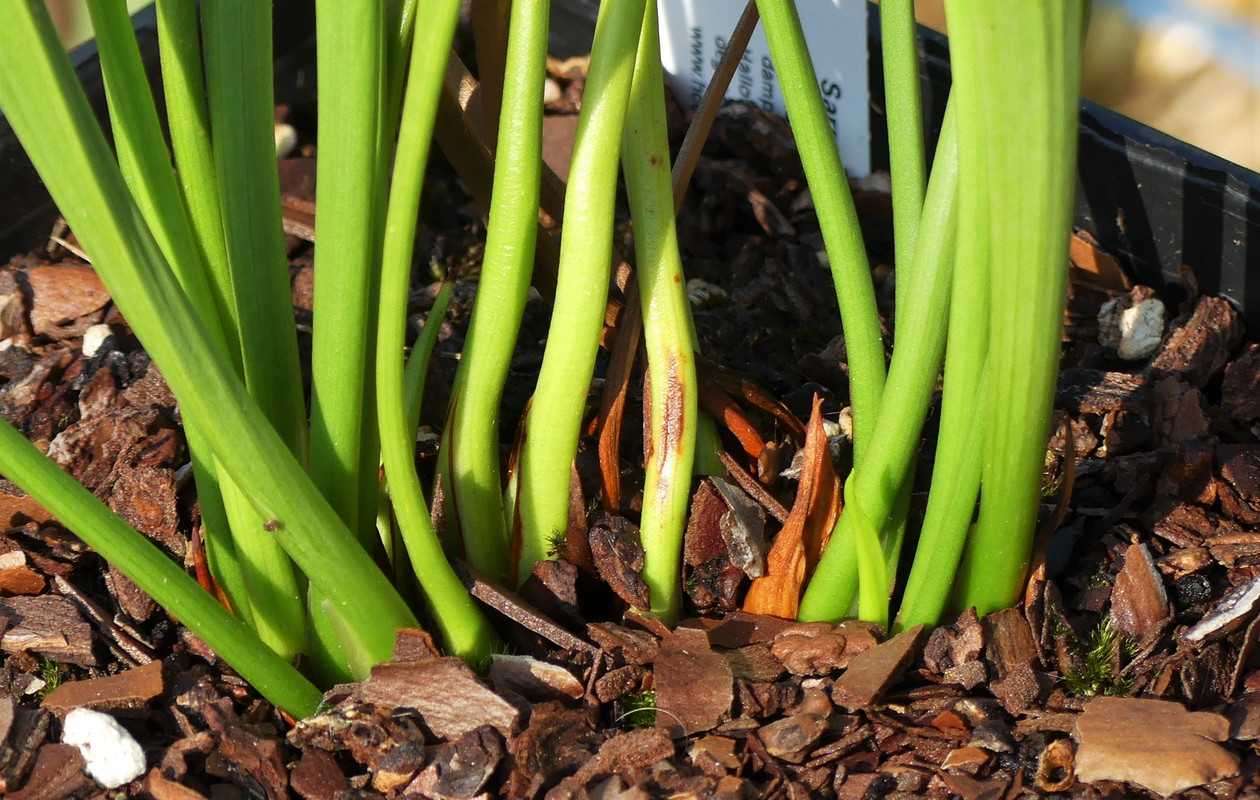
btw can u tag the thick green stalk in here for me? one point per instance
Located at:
(139, 559)
(269, 580)
(670, 451)
(921, 328)
(242, 111)
(551, 426)
(184, 88)
(351, 55)
(907, 158)
(837, 215)
(1024, 123)
(956, 471)
(501, 293)
(48, 110)
(464, 629)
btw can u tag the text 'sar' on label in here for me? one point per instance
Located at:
(694, 35)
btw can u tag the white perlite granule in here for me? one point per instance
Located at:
(1133, 324)
(113, 757)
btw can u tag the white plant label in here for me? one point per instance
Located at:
(694, 35)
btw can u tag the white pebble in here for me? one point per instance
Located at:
(94, 337)
(113, 757)
(552, 93)
(286, 139)
(1133, 330)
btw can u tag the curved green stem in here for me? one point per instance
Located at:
(667, 329)
(551, 426)
(837, 215)
(464, 629)
(476, 482)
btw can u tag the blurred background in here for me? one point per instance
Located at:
(1190, 68)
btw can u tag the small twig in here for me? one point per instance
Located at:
(124, 644)
(754, 489)
(714, 94)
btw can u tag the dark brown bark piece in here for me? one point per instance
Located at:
(872, 671)
(49, 626)
(257, 762)
(1240, 391)
(1093, 391)
(702, 540)
(618, 556)
(460, 769)
(636, 647)
(817, 648)
(1153, 743)
(514, 608)
(532, 679)
(755, 663)
(1201, 345)
(16, 576)
(62, 293)
(316, 776)
(953, 651)
(445, 691)
(1139, 603)
(1233, 610)
(1012, 651)
(125, 691)
(414, 644)
(58, 772)
(619, 682)
(792, 738)
(552, 589)
(556, 743)
(623, 754)
(743, 529)
(162, 789)
(694, 684)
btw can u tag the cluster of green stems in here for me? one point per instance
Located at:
(295, 516)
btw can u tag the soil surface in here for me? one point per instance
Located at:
(1128, 670)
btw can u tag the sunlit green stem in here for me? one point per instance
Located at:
(671, 447)
(237, 37)
(837, 215)
(350, 63)
(1024, 125)
(501, 293)
(184, 88)
(50, 115)
(139, 559)
(906, 156)
(464, 629)
(552, 424)
(921, 328)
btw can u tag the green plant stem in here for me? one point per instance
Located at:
(501, 294)
(49, 112)
(464, 629)
(959, 448)
(906, 155)
(237, 35)
(837, 215)
(1023, 124)
(551, 426)
(184, 88)
(350, 61)
(139, 559)
(667, 329)
(267, 572)
(921, 329)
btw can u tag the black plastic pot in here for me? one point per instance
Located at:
(1154, 202)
